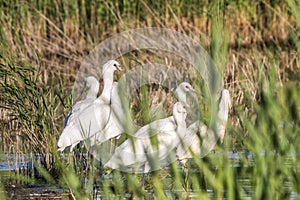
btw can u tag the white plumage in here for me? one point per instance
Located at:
(191, 142)
(92, 87)
(94, 117)
(181, 92)
(140, 153)
(224, 106)
(118, 121)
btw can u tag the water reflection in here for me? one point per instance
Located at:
(243, 162)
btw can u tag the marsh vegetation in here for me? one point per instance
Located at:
(254, 44)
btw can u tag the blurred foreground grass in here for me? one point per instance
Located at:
(255, 44)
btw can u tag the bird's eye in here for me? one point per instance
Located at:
(115, 65)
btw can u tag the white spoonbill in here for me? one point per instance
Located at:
(94, 117)
(119, 123)
(151, 143)
(224, 106)
(92, 87)
(181, 92)
(191, 142)
(120, 120)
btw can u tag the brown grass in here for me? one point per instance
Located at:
(259, 38)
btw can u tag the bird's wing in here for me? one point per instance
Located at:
(114, 126)
(92, 119)
(120, 107)
(77, 109)
(126, 156)
(111, 130)
(167, 138)
(81, 105)
(191, 141)
(137, 151)
(161, 125)
(84, 124)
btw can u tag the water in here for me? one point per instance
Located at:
(11, 166)
(11, 162)
(22, 162)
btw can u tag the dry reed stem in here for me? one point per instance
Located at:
(57, 48)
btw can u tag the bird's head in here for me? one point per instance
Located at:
(182, 90)
(91, 81)
(186, 87)
(92, 86)
(111, 66)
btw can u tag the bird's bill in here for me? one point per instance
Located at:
(199, 94)
(120, 68)
(187, 106)
(193, 90)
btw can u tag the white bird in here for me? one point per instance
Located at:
(224, 106)
(92, 87)
(181, 92)
(94, 117)
(120, 122)
(191, 143)
(151, 143)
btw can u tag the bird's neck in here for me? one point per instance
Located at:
(108, 82)
(181, 125)
(223, 111)
(92, 93)
(181, 95)
(181, 129)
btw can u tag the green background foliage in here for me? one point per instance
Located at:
(255, 45)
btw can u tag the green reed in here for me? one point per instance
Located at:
(264, 121)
